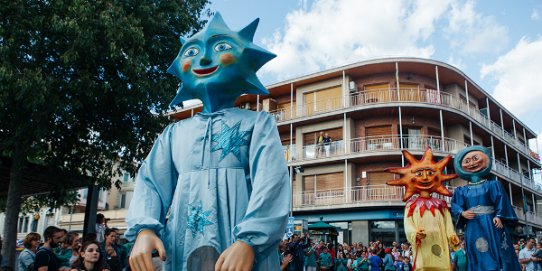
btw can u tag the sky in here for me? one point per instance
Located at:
(498, 44)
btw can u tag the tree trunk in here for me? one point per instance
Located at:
(13, 206)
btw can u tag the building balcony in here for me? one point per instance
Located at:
(426, 96)
(396, 143)
(528, 217)
(374, 196)
(515, 176)
(371, 145)
(359, 196)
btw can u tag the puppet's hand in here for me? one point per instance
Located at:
(468, 214)
(454, 242)
(237, 257)
(420, 235)
(141, 255)
(498, 223)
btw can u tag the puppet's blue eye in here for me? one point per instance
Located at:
(222, 46)
(192, 51)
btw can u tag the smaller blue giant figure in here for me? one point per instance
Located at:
(483, 208)
(214, 192)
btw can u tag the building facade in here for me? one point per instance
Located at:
(371, 111)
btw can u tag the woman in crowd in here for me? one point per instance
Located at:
(28, 255)
(110, 253)
(90, 258)
(389, 263)
(341, 261)
(69, 251)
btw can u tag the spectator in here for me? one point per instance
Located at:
(320, 144)
(459, 262)
(325, 259)
(362, 263)
(526, 256)
(109, 251)
(45, 257)
(90, 258)
(296, 247)
(538, 254)
(310, 257)
(341, 262)
(28, 255)
(388, 261)
(100, 228)
(375, 261)
(121, 249)
(286, 260)
(405, 266)
(327, 144)
(68, 252)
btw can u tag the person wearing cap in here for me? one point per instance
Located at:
(388, 260)
(483, 209)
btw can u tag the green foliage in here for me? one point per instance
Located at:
(79, 80)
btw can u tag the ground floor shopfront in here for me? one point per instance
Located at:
(386, 225)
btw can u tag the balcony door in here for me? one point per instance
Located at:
(414, 138)
(323, 188)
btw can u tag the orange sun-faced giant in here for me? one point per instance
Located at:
(423, 176)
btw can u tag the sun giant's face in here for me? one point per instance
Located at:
(422, 176)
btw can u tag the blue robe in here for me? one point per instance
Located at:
(218, 177)
(487, 247)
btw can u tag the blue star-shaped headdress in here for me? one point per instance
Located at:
(217, 65)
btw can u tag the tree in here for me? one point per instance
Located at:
(78, 80)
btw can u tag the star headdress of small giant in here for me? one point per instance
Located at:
(217, 65)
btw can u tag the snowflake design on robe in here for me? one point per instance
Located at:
(230, 140)
(197, 218)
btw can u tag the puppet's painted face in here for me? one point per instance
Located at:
(475, 161)
(422, 176)
(217, 64)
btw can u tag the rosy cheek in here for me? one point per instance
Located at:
(227, 59)
(186, 66)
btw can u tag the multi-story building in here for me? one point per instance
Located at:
(374, 109)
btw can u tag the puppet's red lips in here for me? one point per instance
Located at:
(203, 72)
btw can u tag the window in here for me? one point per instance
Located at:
(125, 199)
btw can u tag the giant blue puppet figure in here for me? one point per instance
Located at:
(481, 207)
(219, 177)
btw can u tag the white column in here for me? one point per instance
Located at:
(467, 95)
(438, 84)
(470, 133)
(401, 137)
(502, 123)
(510, 191)
(441, 131)
(258, 103)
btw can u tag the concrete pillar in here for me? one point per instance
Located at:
(360, 231)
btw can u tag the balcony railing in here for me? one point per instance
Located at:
(515, 176)
(429, 96)
(358, 196)
(372, 144)
(370, 194)
(529, 216)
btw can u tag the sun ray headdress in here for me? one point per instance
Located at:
(413, 176)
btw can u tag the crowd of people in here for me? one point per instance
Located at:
(301, 253)
(64, 251)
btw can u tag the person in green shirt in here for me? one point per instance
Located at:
(325, 260)
(460, 259)
(341, 262)
(361, 263)
(310, 257)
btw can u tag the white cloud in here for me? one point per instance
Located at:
(331, 33)
(535, 15)
(471, 32)
(518, 78)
